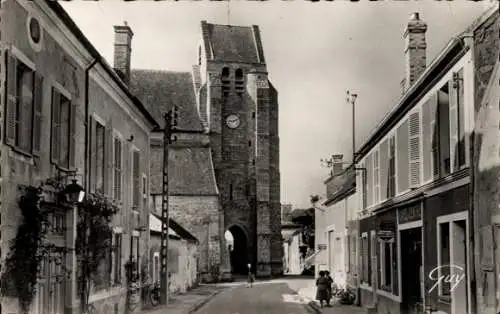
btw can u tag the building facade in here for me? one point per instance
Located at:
(334, 228)
(416, 218)
(61, 101)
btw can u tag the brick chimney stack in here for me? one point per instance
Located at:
(338, 164)
(123, 50)
(415, 50)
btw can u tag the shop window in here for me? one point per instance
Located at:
(387, 259)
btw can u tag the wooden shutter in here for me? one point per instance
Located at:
(402, 157)
(427, 131)
(369, 180)
(108, 158)
(11, 99)
(434, 128)
(118, 168)
(384, 169)
(72, 135)
(414, 143)
(137, 179)
(93, 153)
(452, 88)
(461, 119)
(56, 121)
(37, 115)
(26, 119)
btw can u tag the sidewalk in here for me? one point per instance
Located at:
(307, 291)
(188, 302)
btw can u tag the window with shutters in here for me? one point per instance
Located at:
(402, 158)
(62, 125)
(365, 187)
(136, 180)
(117, 168)
(376, 177)
(391, 177)
(100, 162)
(461, 149)
(414, 145)
(24, 105)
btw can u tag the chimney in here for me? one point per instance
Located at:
(338, 165)
(123, 49)
(415, 50)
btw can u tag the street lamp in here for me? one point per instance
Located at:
(74, 192)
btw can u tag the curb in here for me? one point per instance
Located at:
(311, 306)
(198, 305)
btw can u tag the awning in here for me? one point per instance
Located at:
(309, 261)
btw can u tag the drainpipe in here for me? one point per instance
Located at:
(86, 176)
(87, 167)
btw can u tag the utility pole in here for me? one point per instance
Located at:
(170, 124)
(351, 99)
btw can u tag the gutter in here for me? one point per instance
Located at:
(87, 159)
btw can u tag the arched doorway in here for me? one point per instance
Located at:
(237, 244)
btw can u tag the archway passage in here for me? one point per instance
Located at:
(238, 250)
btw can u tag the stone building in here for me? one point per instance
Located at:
(225, 163)
(416, 220)
(69, 115)
(486, 162)
(183, 255)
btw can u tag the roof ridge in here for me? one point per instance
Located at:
(161, 70)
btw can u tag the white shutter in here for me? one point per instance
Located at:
(453, 126)
(376, 177)
(414, 148)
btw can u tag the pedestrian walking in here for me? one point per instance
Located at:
(251, 278)
(322, 293)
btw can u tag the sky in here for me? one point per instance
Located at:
(314, 53)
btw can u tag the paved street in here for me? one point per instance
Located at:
(261, 298)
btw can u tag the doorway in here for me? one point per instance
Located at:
(411, 270)
(238, 250)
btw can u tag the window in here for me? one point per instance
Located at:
(414, 144)
(136, 185)
(444, 248)
(144, 186)
(365, 259)
(386, 264)
(391, 178)
(117, 249)
(24, 106)
(364, 185)
(61, 130)
(99, 162)
(443, 113)
(376, 178)
(117, 169)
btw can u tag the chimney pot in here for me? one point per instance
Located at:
(414, 16)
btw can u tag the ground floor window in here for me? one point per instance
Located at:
(387, 264)
(365, 259)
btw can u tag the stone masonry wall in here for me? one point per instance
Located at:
(486, 163)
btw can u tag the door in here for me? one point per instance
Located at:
(50, 291)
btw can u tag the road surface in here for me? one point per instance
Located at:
(268, 298)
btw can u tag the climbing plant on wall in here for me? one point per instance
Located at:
(93, 240)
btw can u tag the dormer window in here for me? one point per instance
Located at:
(226, 83)
(239, 81)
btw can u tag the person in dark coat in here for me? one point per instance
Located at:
(330, 282)
(322, 293)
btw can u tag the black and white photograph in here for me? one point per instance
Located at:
(249, 157)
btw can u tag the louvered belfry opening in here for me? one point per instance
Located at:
(226, 83)
(239, 81)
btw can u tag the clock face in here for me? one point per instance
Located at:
(233, 121)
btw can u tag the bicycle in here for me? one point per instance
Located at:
(154, 294)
